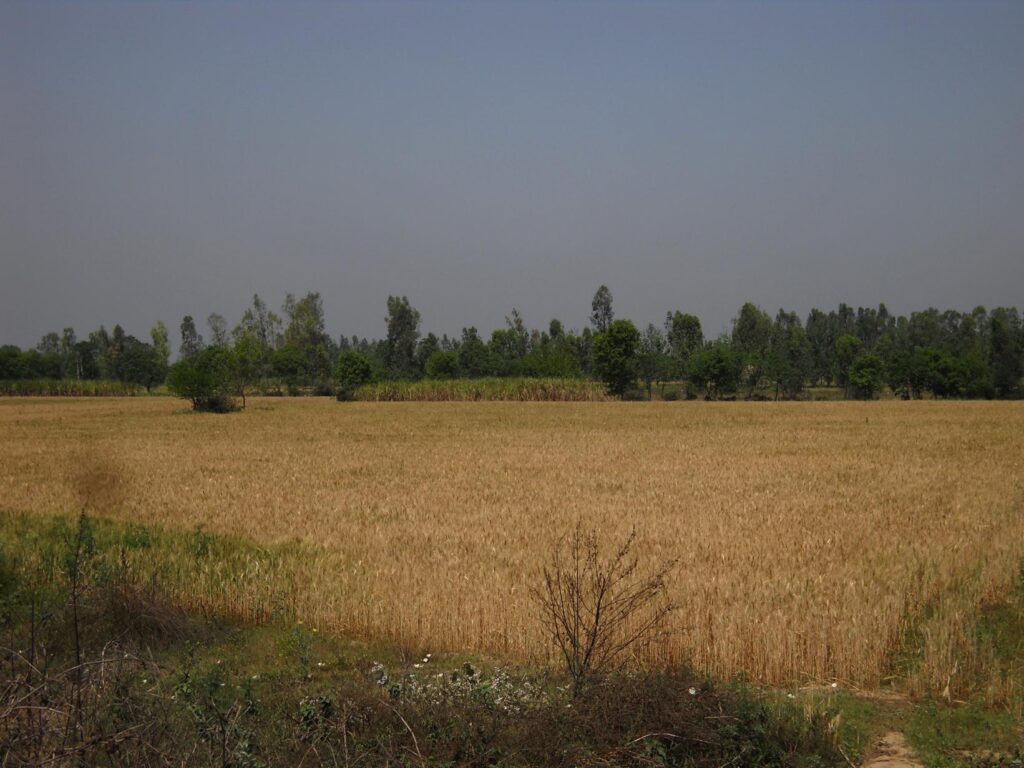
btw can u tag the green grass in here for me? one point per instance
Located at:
(517, 389)
(69, 388)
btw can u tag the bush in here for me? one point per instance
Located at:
(443, 365)
(596, 608)
(352, 371)
(209, 380)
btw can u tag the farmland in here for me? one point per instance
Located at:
(815, 541)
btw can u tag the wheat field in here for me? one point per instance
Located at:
(813, 539)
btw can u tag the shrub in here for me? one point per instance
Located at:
(209, 380)
(443, 365)
(352, 371)
(596, 608)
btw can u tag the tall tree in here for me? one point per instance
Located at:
(684, 337)
(161, 342)
(601, 314)
(218, 329)
(403, 332)
(191, 341)
(1006, 350)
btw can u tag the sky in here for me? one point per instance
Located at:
(159, 159)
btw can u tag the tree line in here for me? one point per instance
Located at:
(863, 351)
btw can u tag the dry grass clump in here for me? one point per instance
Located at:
(812, 539)
(515, 389)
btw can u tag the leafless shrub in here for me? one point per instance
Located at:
(596, 608)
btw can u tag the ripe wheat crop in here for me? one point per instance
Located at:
(816, 541)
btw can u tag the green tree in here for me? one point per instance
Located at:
(790, 359)
(615, 356)
(403, 332)
(848, 349)
(684, 337)
(716, 369)
(443, 365)
(208, 380)
(751, 338)
(601, 314)
(474, 356)
(289, 364)
(161, 343)
(653, 359)
(191, 341)
(352, 371)
(1006, 349)
(865, 376)
(141, 364)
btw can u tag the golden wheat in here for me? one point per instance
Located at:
(811, 537)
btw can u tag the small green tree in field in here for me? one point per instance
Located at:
(616, 361)
(352, 370)
(209, 380)
(866, 374)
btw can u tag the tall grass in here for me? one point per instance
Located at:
(68, 388)
(515, 389)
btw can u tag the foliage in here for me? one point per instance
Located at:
(865, 376)
(601, 313)
(716, 369)
(443, 365)
(615, 356)
(209, 380)
(517, 389)
(351, 371)
(403, 332)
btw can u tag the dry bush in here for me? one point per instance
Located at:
(597, 608)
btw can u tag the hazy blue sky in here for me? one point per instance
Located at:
(158, 159)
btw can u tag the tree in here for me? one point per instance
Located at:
(716, 369)
(140, 363)
(1006, 350)
(191, 341)
(218, 329)
(306, 332)
(474, 356)
(865, 376)
(615, 356)
(442, 365)
(848, 349)
(653, 358)
(684, 337)
(403, 332)
(289, 364)
(751, 337)
(352, 371)
(161, 343)
(71, 366)
(601, 314)
(208, 380)
(596, 607)
(789, 360)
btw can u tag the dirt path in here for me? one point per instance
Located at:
(892, 751)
